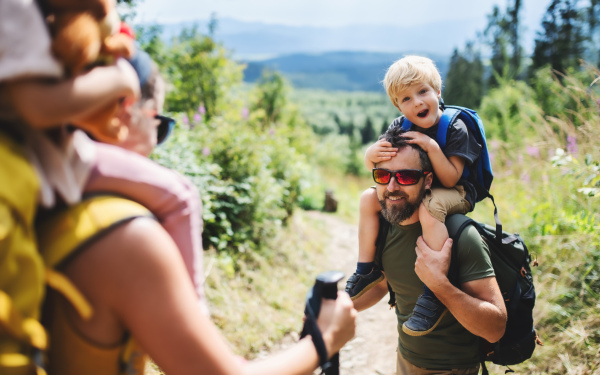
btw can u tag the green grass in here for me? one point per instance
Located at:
(262, 302)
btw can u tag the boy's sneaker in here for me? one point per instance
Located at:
(427, 314)
(358, 284)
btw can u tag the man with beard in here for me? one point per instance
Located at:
(476, 306)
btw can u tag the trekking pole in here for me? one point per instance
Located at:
(325, 287)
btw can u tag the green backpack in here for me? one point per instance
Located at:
(510, 259)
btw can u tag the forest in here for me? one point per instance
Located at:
(262, 153)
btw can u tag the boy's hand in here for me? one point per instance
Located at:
(129, 79)
(424, 141)
(381, 150)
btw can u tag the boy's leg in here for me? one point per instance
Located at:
(440, 202)
(172, 198)
(367, 273)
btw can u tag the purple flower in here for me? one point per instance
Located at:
(245, 113)
(201, 109)
(572, 144)
(185, 120)
(533, 151)
(197, 117)
(494, 144)
(492, 156)
(525, 177)
(206, 151)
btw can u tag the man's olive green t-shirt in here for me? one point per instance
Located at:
(449, 345)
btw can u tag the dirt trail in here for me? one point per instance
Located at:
(373, 350)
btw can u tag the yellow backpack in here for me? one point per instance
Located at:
(61, 236)
(22, 337)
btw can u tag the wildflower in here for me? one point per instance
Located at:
(572, 144)
(525, 177)
(533, 151)
(185, 120)
(245, 113)
(202, 110)
(197, 117)
(205, 151)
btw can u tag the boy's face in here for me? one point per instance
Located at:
(420, 104)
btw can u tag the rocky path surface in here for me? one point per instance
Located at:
(373, 350)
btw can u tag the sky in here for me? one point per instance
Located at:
(334, 13)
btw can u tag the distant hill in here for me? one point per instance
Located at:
(345, 71)
(343, 58)
(249, 40)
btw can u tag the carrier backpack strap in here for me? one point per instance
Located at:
(384, 227)
(447, 118)
(63, 233)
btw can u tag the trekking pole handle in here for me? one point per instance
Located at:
(325, 287)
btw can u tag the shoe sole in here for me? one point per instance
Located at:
(410, 332)
(367, 288)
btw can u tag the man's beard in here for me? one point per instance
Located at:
(400, 212)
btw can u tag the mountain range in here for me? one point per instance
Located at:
(341, 58)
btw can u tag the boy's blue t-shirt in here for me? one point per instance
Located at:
(459, 142)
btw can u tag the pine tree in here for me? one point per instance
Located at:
(562, 42)
(367, 133)
(497, 40)
(464, 81)
(513, 27)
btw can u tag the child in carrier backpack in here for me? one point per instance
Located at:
(414, 84)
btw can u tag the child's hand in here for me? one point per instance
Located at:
(424, 141)
(381, 150)
(129, 79)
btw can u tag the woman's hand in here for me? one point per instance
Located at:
(337, 322)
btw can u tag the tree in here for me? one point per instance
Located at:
(497, 40)
(592, 16)
(502, 35)
(384, 126)
(201, 73)
(561, 43)
(367, 133)
(513, 27)
(465, 78)
(150, 41)
(271, 97)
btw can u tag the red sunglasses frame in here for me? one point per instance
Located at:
(420, 173)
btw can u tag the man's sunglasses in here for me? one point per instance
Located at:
(404, 177)
(164, 128)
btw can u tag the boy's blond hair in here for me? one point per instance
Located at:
(408, 71)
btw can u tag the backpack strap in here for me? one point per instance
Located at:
(384, 227)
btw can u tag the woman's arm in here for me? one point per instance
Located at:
(136, 274)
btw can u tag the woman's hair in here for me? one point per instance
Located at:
(409, 71)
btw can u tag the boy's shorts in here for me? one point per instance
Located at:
(441, 202)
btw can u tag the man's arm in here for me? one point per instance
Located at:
(478, 306)
(372, 296)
